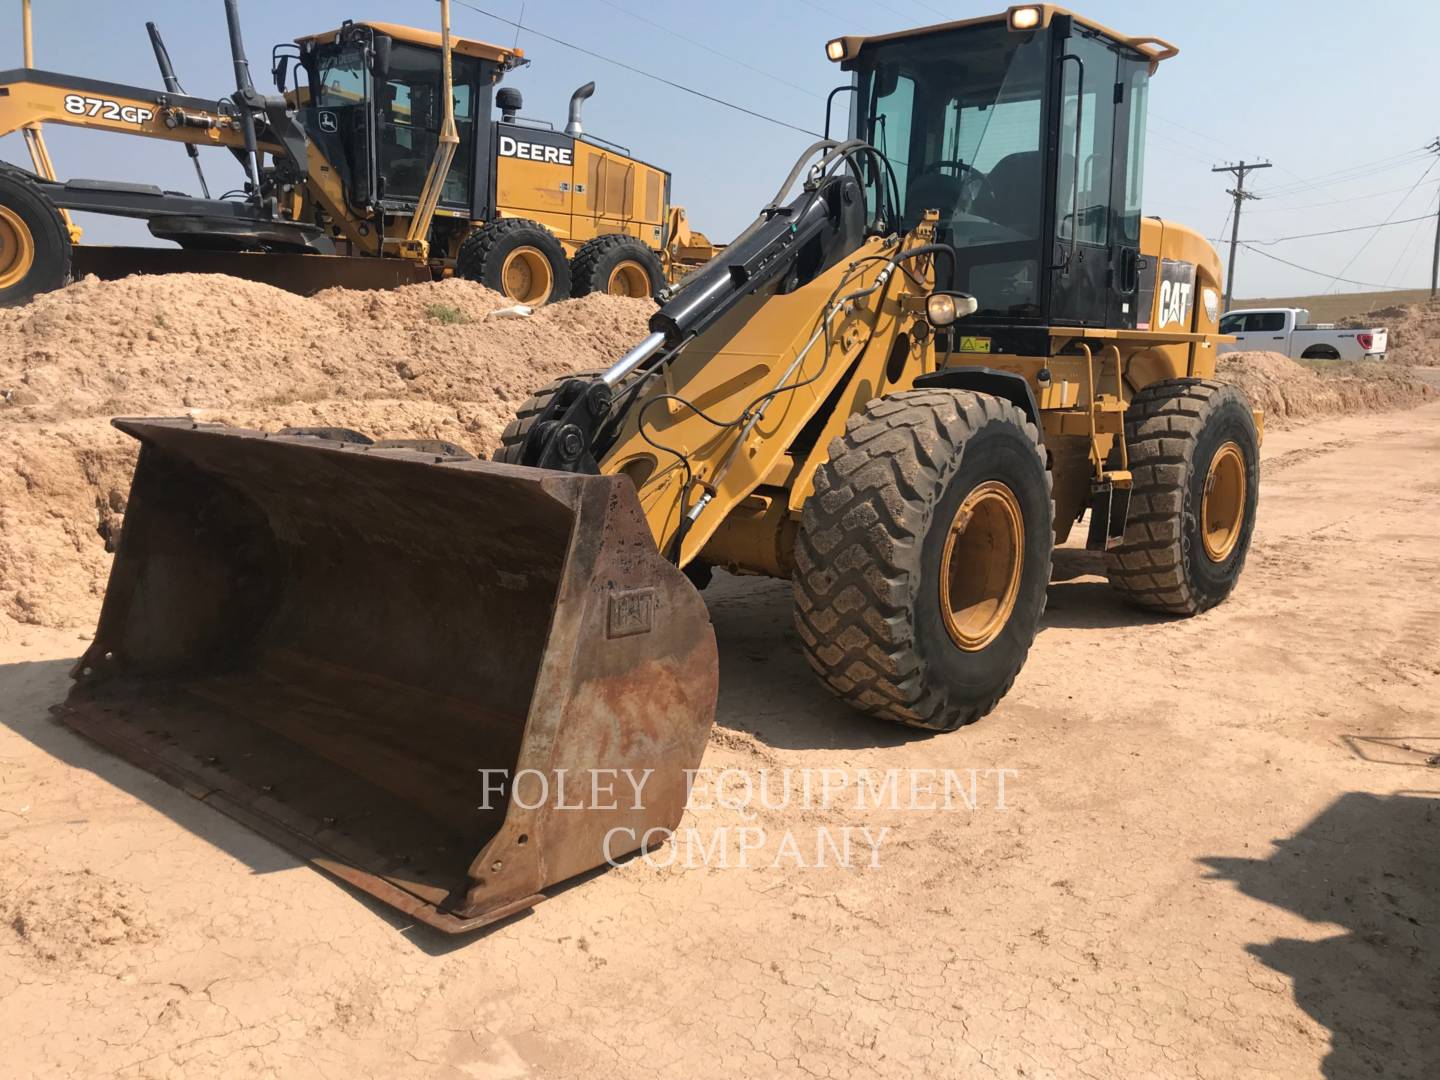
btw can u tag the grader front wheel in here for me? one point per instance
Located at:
(923, 557)
(1195, 456)
(35, 246)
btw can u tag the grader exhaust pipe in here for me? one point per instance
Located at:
(387, 660)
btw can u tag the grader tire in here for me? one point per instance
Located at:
(618, 265)
(512, 439)
(517, 258)
(883, 617)
(1195, 458)
(35, 248)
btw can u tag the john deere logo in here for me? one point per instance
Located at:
(328, 122)
(534, 151)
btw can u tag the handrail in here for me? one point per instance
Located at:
(1165, 51)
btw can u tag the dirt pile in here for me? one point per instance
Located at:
(425, 361)
(1288, 390)
(65, 917)
(1414, 332)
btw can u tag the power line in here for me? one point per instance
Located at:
(1309, 270)
(1344, 174)
(1182, 127)
(1372, 236)
(1327, 232)
(639, 71)
(1330, 202)
(1347, 175)
(1406, 249)
(710, 49)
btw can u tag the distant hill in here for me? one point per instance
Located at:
(1339, 305)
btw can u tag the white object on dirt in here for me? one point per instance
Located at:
(514, 311)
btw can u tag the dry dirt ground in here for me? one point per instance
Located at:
(1217, 857)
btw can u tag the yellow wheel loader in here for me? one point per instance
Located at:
(380, 162)
(948, 338)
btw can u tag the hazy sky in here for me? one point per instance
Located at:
(1341, 98)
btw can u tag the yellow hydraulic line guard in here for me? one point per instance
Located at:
(417, 244)
(34, 138)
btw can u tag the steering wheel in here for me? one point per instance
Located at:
(933, 189)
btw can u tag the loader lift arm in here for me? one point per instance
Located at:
(806, 243)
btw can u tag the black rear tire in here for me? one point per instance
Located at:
(517, 258)
(1177, 433)
(618, 265)
(876, 586)
(35, 248)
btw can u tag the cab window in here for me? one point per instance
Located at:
(965, 139)
(411, 113)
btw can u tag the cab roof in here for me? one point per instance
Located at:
(1152, 48)
(429, 39)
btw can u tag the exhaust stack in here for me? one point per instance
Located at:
(573, 127)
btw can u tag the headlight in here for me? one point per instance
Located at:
(835, 50)
(943, 308)
(1024, 18)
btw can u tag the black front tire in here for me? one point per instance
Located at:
(35, 248)
(619, 265)
(872, 551)
(1175, 431)
(513, 256)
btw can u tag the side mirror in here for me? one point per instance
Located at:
(382, 45)
(281, 71)
(944, 308)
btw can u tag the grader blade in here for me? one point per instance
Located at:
(451, 683)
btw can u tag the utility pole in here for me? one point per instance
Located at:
(1434, 147)
(1240, 195)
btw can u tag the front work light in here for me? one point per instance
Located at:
(1024, 18)
(944, 308)
(835, 50)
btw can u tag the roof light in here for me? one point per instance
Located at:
(1024, 18)
(835, 50)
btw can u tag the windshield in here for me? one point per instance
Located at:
(342, 78)
(959, 115)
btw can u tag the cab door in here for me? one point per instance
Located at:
(1083, 248)
(1132, 88)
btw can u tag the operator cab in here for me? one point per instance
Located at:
(1025, 131)
(374, 98)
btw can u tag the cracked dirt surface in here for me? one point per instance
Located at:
(1219, 859)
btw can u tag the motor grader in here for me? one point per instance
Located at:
(378, 163)
(950, 337)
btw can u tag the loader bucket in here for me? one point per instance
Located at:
(427, 676)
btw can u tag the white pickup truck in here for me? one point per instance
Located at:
(1290, 331)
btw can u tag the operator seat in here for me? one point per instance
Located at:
(1012, 194)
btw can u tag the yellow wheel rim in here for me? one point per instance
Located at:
(629, 278)
(980, 569)
(526, 276)
(1222, 510)
(17, 248)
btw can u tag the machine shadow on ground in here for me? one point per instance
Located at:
(1371, 864)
